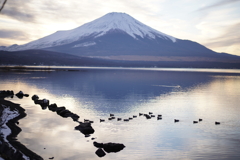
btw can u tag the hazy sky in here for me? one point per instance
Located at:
(213, 23)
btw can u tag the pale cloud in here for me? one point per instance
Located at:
(219, 29)
(13, 34)
(228, 41)
(218, 4)
(19, 9)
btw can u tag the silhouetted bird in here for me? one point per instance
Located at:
(86, 120)
(159, 118)
(111, 115)
(176, 120)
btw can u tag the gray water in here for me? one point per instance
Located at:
(93, 93)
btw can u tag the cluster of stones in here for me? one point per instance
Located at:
(84, 127)
(61, 111)
(10, 93)
(6, 93)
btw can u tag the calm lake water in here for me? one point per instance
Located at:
(93, 93)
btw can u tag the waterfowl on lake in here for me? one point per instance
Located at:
(150, 112)
(195, 121)
(217, 123)
(147, 116)
(152, 115)
(134, 116)
(130, 118)
(159, 115)
(200, 119)
(111, 115)
(110, 118)
(159, 118)
(86, 120)
(102, 120)
(126, 120)
(176, 120)
(119, 119)
(140, 114)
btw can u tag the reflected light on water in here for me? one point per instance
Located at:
(95, 94)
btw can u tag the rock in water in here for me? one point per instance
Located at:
(98, 145)
(113, 147)
(52, 107)
(35, 97)
(85, 128)
(20, 94)
(100, 152)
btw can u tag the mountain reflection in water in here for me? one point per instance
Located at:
(94, 94)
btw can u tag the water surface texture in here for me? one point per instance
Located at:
(187, 95)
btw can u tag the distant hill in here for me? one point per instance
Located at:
(41, 57)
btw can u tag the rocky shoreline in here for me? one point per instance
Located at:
(11, 113)
(10, 148)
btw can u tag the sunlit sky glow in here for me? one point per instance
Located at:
(213, 23)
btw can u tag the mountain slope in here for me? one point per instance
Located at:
(96, 28)
(120, 37)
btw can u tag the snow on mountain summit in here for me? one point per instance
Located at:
(97, 28)
(124, 22)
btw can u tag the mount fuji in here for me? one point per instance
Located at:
(118, 36)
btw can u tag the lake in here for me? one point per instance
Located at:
(93, 93)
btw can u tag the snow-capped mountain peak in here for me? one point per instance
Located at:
(97, 28)
(124, 22)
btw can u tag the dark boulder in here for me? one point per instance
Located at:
(52, 107)
(113, 147)
(35, 97)
(44, 103)
(98, 145)
(4, 93)
(100, 152)
(65, 113)
(85, 128)
(60, 109)
(75, 117)
(109, 147)
(20, 94)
